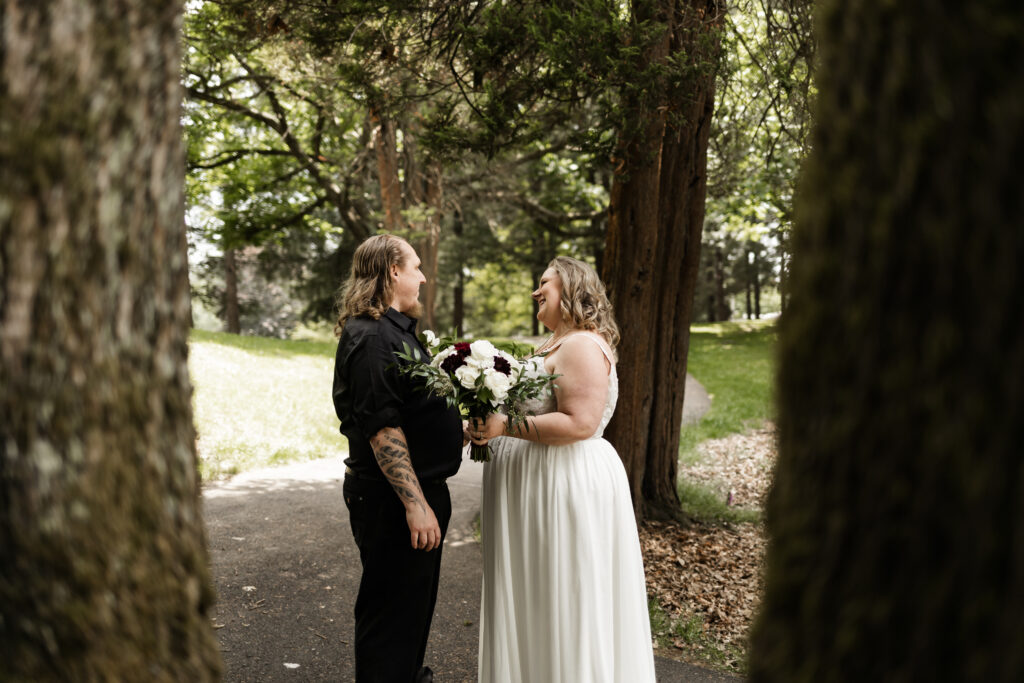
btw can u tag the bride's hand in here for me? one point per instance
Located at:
(483, 431)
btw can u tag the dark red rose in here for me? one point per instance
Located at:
(462, 348)
(452, 363)
(502, 365)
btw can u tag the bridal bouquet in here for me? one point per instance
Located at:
(479, 378)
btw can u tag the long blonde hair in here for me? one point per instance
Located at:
(369, 288)
(585, 303)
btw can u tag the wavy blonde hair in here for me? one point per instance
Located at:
(585, 303)
(369, 288)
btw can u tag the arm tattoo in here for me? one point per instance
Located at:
(392, 455)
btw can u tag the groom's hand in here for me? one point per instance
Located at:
(424, 531)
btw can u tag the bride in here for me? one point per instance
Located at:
(564, 597)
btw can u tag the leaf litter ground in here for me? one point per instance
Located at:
(706, 578)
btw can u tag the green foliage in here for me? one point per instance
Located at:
(760, 136)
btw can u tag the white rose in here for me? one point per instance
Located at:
(483, 352)
(480, 363)
(467, 375)
(499, 384)
(430, 338)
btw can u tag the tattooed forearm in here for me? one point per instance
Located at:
(392, 453)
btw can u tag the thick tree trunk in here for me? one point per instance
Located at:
(103, 568)
(897, 515)
(656, 216)
(232, 323)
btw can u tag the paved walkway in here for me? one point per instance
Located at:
(286, 572)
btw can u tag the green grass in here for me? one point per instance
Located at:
(261, 402)
(734, 362)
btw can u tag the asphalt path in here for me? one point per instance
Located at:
(286, 572)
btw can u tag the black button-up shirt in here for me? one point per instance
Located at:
(370, 394)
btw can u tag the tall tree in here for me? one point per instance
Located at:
(896, 520)
(652, 257)
(103, 573)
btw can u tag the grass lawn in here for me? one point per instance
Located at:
(735, 363)
(261, 402)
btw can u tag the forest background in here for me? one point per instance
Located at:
(295, 136)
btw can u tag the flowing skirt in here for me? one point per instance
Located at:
(564, 597)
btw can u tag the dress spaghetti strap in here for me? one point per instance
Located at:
(589, 335)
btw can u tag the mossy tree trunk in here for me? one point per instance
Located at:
(897, 515)
(652, 252)
(103, 568)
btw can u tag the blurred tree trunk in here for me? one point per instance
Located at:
(423, 189)
(757, 284)
(749, 285)
(897, 515)
(103, 572)
(722, 309)
(386, 147)
(429, 245)
(231, 319)
(458, 289)
(535, 308)
(656, 215)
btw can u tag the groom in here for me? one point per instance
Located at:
(403, 445)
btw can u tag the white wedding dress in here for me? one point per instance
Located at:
(564, 598)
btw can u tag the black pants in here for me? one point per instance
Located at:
(398, 588)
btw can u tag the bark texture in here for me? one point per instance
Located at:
(897, 515)
(103, 568)
(652, 251)
(386, 146)
(232, 322)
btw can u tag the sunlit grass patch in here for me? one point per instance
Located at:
(735, 363)
(261, 402)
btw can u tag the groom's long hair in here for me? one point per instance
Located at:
(369, 288)
(585, 303)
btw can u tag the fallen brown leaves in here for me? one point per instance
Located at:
(710, 574)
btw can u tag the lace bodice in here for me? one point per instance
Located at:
(547, 403)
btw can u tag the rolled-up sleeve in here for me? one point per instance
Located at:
(375, 387)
